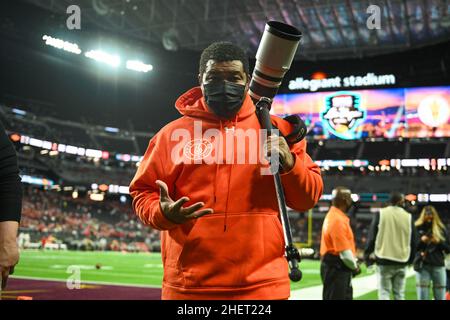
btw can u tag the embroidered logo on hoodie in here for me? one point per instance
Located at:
(197, 149)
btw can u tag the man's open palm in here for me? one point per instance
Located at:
(174, 211)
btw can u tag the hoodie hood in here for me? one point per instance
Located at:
(192, 104)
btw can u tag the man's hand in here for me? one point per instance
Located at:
(174, 211)
(278, 144)
(435, 240)
(357, 271)
(369, 260)
(9, 252)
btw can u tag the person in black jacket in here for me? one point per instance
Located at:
(10, 207)
(430, 258)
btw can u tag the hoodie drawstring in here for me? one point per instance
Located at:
(229, 176)
(217, 166)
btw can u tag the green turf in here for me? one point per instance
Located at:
(410, 291)
(137, 269)
(120, 268)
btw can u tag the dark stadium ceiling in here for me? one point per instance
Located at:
(332, 29)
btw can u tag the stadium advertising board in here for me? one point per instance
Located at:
(422, 112)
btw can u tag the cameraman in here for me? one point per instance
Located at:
(430, 259)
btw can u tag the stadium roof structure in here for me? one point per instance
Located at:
(332, 29)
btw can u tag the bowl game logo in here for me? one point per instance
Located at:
(197, 149)
(343, 114)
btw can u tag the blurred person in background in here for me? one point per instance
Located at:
(392, 239)
(10, 207)
(429, 263)
(337, 249)
(447, 267)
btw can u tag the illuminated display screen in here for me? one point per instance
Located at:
(354, 114)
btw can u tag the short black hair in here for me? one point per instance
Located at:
(223, 51)
(396, 198)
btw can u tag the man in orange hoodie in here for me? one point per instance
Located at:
(200, 185)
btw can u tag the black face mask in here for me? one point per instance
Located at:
(224, 98)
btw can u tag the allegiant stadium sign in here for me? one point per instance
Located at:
(369, 80)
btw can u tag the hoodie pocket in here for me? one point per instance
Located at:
(250, 251)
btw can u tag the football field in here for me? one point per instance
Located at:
(115, 275)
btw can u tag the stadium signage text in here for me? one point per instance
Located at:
(369, 80)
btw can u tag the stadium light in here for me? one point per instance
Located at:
(61, 44)
(438, 197)
(15, 137)
(112, 129)
(92, 153)
(19, 111)
(124, 190)
(97, 196)
(139, 66)
(104, 57)
(37, 180)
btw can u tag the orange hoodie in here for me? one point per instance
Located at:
(238, 251)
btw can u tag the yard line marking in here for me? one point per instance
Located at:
(152, 265)
(89, 282)
(80, 266)
(140, 274)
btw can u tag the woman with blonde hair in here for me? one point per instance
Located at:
(430, 259)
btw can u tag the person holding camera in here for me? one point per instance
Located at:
(392, 239)
(221, 236)
(429, 263)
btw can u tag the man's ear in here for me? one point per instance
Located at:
(199, 77)
(247, 85)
